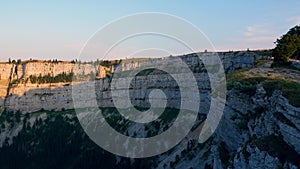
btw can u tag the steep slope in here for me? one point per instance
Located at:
(258, 130)
(260, 127)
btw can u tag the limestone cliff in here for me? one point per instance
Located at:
(18, 93)
(260, 128)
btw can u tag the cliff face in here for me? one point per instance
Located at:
(27, 97)
(256, 132)
(261, 130)
(6, 71)
(15, 83)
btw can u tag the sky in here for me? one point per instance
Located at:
(59, 29)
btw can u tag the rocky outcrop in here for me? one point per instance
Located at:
(256, 131)
(261, 131)
(257, 159)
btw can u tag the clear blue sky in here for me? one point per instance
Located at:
(56, 29)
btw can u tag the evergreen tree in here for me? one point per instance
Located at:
(288, 46)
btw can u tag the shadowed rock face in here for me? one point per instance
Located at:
(256, 131)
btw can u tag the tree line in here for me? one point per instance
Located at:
(62, 77)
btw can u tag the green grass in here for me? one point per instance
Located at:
(259, 62)
(247, 85)
(289, 89)
(243, 83)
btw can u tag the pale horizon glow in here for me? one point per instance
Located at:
(47, 30)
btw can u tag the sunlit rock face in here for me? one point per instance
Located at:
(18, 93)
